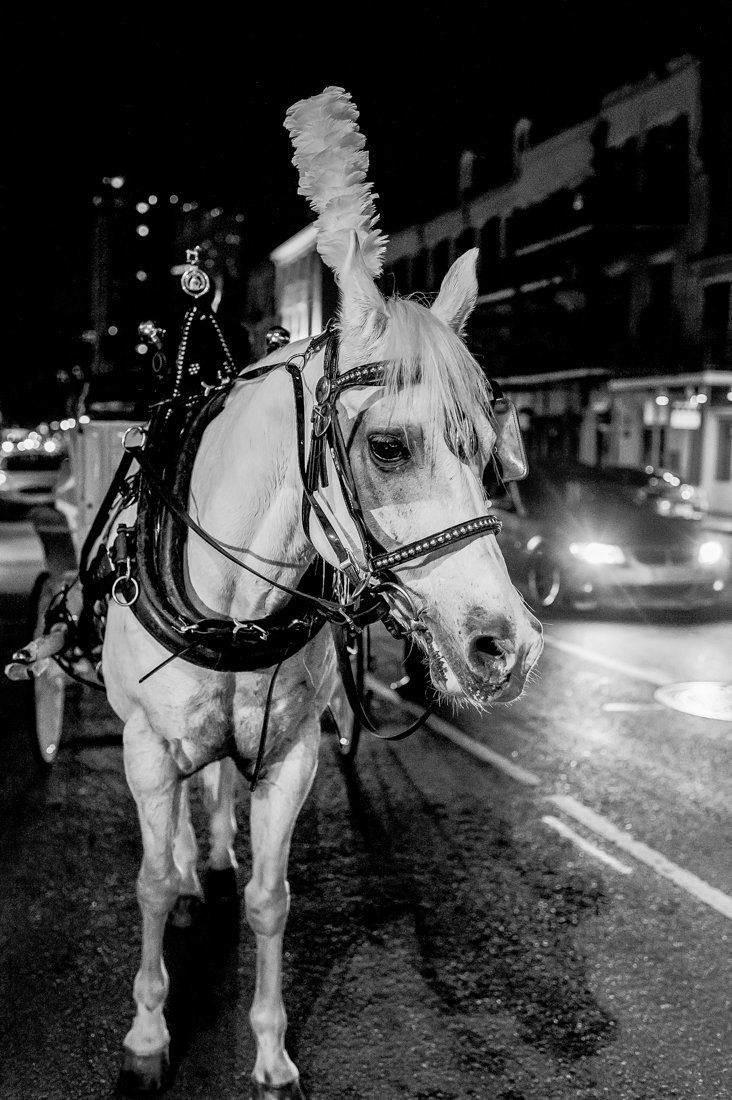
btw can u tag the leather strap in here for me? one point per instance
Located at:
(340, 639)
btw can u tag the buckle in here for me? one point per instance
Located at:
(240, 625)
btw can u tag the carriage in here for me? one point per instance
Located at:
(257, 523)
(46, 664)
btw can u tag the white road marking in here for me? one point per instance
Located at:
(586, 845)
(622, 707)
(702, 891)
(451, 733)
(638, 672)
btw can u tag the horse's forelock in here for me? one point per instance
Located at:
(421, 349)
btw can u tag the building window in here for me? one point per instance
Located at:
(466, 240)
(400, 272)
(724, 450)
(664, 176)
(440, 262)
(419, 271)
(490, 241)
(716, 321)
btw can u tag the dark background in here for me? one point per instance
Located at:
(195, 104)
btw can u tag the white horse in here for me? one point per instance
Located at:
(417, 442)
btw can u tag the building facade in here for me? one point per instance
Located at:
(605, 273)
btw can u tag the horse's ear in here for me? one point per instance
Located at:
(362, 305)
(458, 292)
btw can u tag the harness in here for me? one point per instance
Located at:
(352, 582)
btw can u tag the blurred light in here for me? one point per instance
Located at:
(662, 399)
(112, 330)
(216, 211)
(117, 182)
(142, 208)
(142, 230)
(3, 478)
(97, 200)
(701, 398)
(7, 446)
(239, 218)
(578, 202)
(598, 553)
(152, 199)
(718, 585)
(141, 276)
(729, 395)
(671, 479)
(686, 492)
(173, 199)
(49, 446)
(710, 553)
(533, 542)
(84, 419)
(141, 349)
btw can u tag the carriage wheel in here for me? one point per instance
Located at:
(47, 692)
(359, 648)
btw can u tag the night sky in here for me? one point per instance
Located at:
(196, 104)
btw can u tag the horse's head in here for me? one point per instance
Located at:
(418, 447)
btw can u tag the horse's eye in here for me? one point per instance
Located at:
(388, 450)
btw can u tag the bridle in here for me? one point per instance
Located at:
(367, 586)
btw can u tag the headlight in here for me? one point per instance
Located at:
(710, 553)
(598, 553)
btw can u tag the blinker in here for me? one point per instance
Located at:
(509, 449)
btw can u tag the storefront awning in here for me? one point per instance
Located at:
(672, 381)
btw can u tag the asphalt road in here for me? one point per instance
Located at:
(549, 923)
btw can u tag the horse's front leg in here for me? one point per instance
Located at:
(275, 806)
(154, 781)
(185, 854)
(220, 782)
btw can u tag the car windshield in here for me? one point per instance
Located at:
(571, 488)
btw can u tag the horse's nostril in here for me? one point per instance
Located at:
(488, 646)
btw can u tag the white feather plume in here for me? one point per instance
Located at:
(332, 163)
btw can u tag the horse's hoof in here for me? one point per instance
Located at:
(183, 913)
(221, 886)
(290, 1091)
(144, 1074)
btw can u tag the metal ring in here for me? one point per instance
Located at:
(119, 598)
(291, 361)
(142, 430)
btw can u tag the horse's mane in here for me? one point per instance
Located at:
(421, 349)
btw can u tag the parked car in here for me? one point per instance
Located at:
(665, 490)
(572, 536)
(27, 478)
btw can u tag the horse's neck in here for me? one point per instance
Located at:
(246, 491)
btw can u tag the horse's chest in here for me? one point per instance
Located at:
(226, 715)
